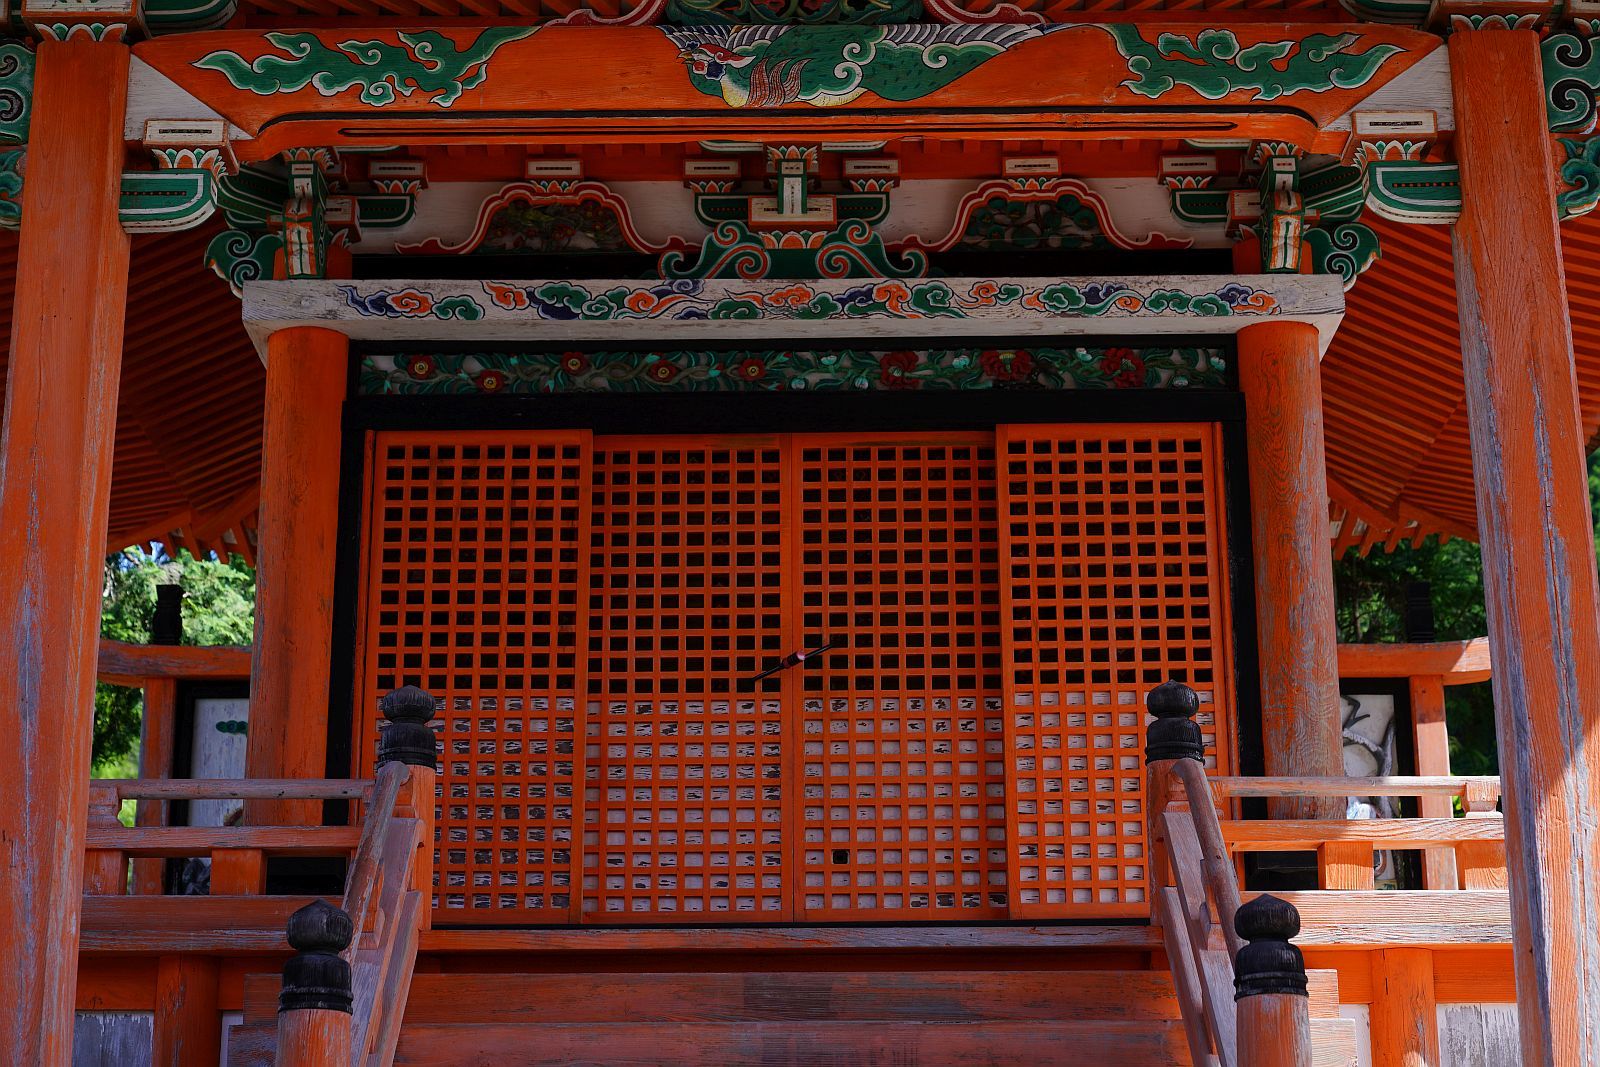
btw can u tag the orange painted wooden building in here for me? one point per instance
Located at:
(799, 531)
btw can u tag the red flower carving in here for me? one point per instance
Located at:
(574, 362)
(662, 371)
(750, 369)
(419, 367)
(894, 369)
(489, 381)
(1123, 366)
(1007, 365)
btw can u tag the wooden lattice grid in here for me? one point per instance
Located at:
(1114, 582)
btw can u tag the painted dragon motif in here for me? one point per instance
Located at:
(425, 62)
(828, 66)
(1214, 64)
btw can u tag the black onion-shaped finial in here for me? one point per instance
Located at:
(408, 738)
(1174, 734)
(1268, 963)
(316, 976)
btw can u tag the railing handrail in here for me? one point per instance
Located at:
(1463, 786)
(365, 874)
(233, 788)
(1222, 882)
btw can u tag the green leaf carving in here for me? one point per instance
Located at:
(1213, 64)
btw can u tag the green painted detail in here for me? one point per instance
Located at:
(790, 12)
(411, 303)
(16, 91)
(826, 66)
(1214, 64)
(385, 211)
(833, 370)
(1346, 250)
(239, 257)
(850, 251)
(1571, 77)
(1409, 191)
(1336, 193)
(160, 200)
(254, 197)
(1200, 206)
(1581, 173)
(425, 62)
(1403, 12)
(11, 187)
(186, 16)
(1001, 223)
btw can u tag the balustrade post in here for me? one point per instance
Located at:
(105, 871)
(1269, 981)
(314, 1006)
(409, 739)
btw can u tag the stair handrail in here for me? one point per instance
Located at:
(344, 992)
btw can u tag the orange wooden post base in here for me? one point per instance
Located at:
(306, 372)
(1278, 373)
(1273, 1009)
(59, 426)
(314, 1024)
(1536, 533)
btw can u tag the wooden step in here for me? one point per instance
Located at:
(792, 996)
(1333, 1043)
(801, 1044)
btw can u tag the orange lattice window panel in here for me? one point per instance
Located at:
(685, 761)
(475, 567)
(1114, 581)
(903, 777)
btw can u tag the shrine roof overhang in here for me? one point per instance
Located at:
(545, 83)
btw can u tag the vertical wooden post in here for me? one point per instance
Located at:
(105, 871)
(1536, 533)
(1269, 981)
(306, 373)
(1405, 1016)
(55, 452)
(188, 1020)
(314, 1005)
(409, 739)
(1432, 739)
(155, 761)
(1281, 381)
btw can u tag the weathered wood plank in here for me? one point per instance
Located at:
(1346, 865)
(227, 925)
(789, 939)
(1343, 786)
(1404, 1014)
(56, 442)
(235, 788)
(121, 663)
(1479, 1035)
(202, 840)
(1456, 662)
(651, 1044)
(1421, 919)
(1292, 835)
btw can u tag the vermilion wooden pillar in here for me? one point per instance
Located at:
(1281, 380)
(55, 479)
(1537, 537)
(306, 373)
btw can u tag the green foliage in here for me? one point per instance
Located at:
(218, 609)
(1370, 593)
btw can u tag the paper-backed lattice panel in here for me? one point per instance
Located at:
(1113, 582)
(474, 578)
(903, 776)
(684, 791)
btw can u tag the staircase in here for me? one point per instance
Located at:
(1000, 1018)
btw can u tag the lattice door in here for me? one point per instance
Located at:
(903, 780)
(685, 764)
(1113, 582)
(475, 565)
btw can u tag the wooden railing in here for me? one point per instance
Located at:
(1194, 855)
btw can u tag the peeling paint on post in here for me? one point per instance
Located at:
(1537, 536)
(55, 479)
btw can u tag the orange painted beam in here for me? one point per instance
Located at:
(1453, 662)
(122, 663)
(55, 450)
(564, 84)
(1278, 374)
(306, 373)
(1537, 536)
